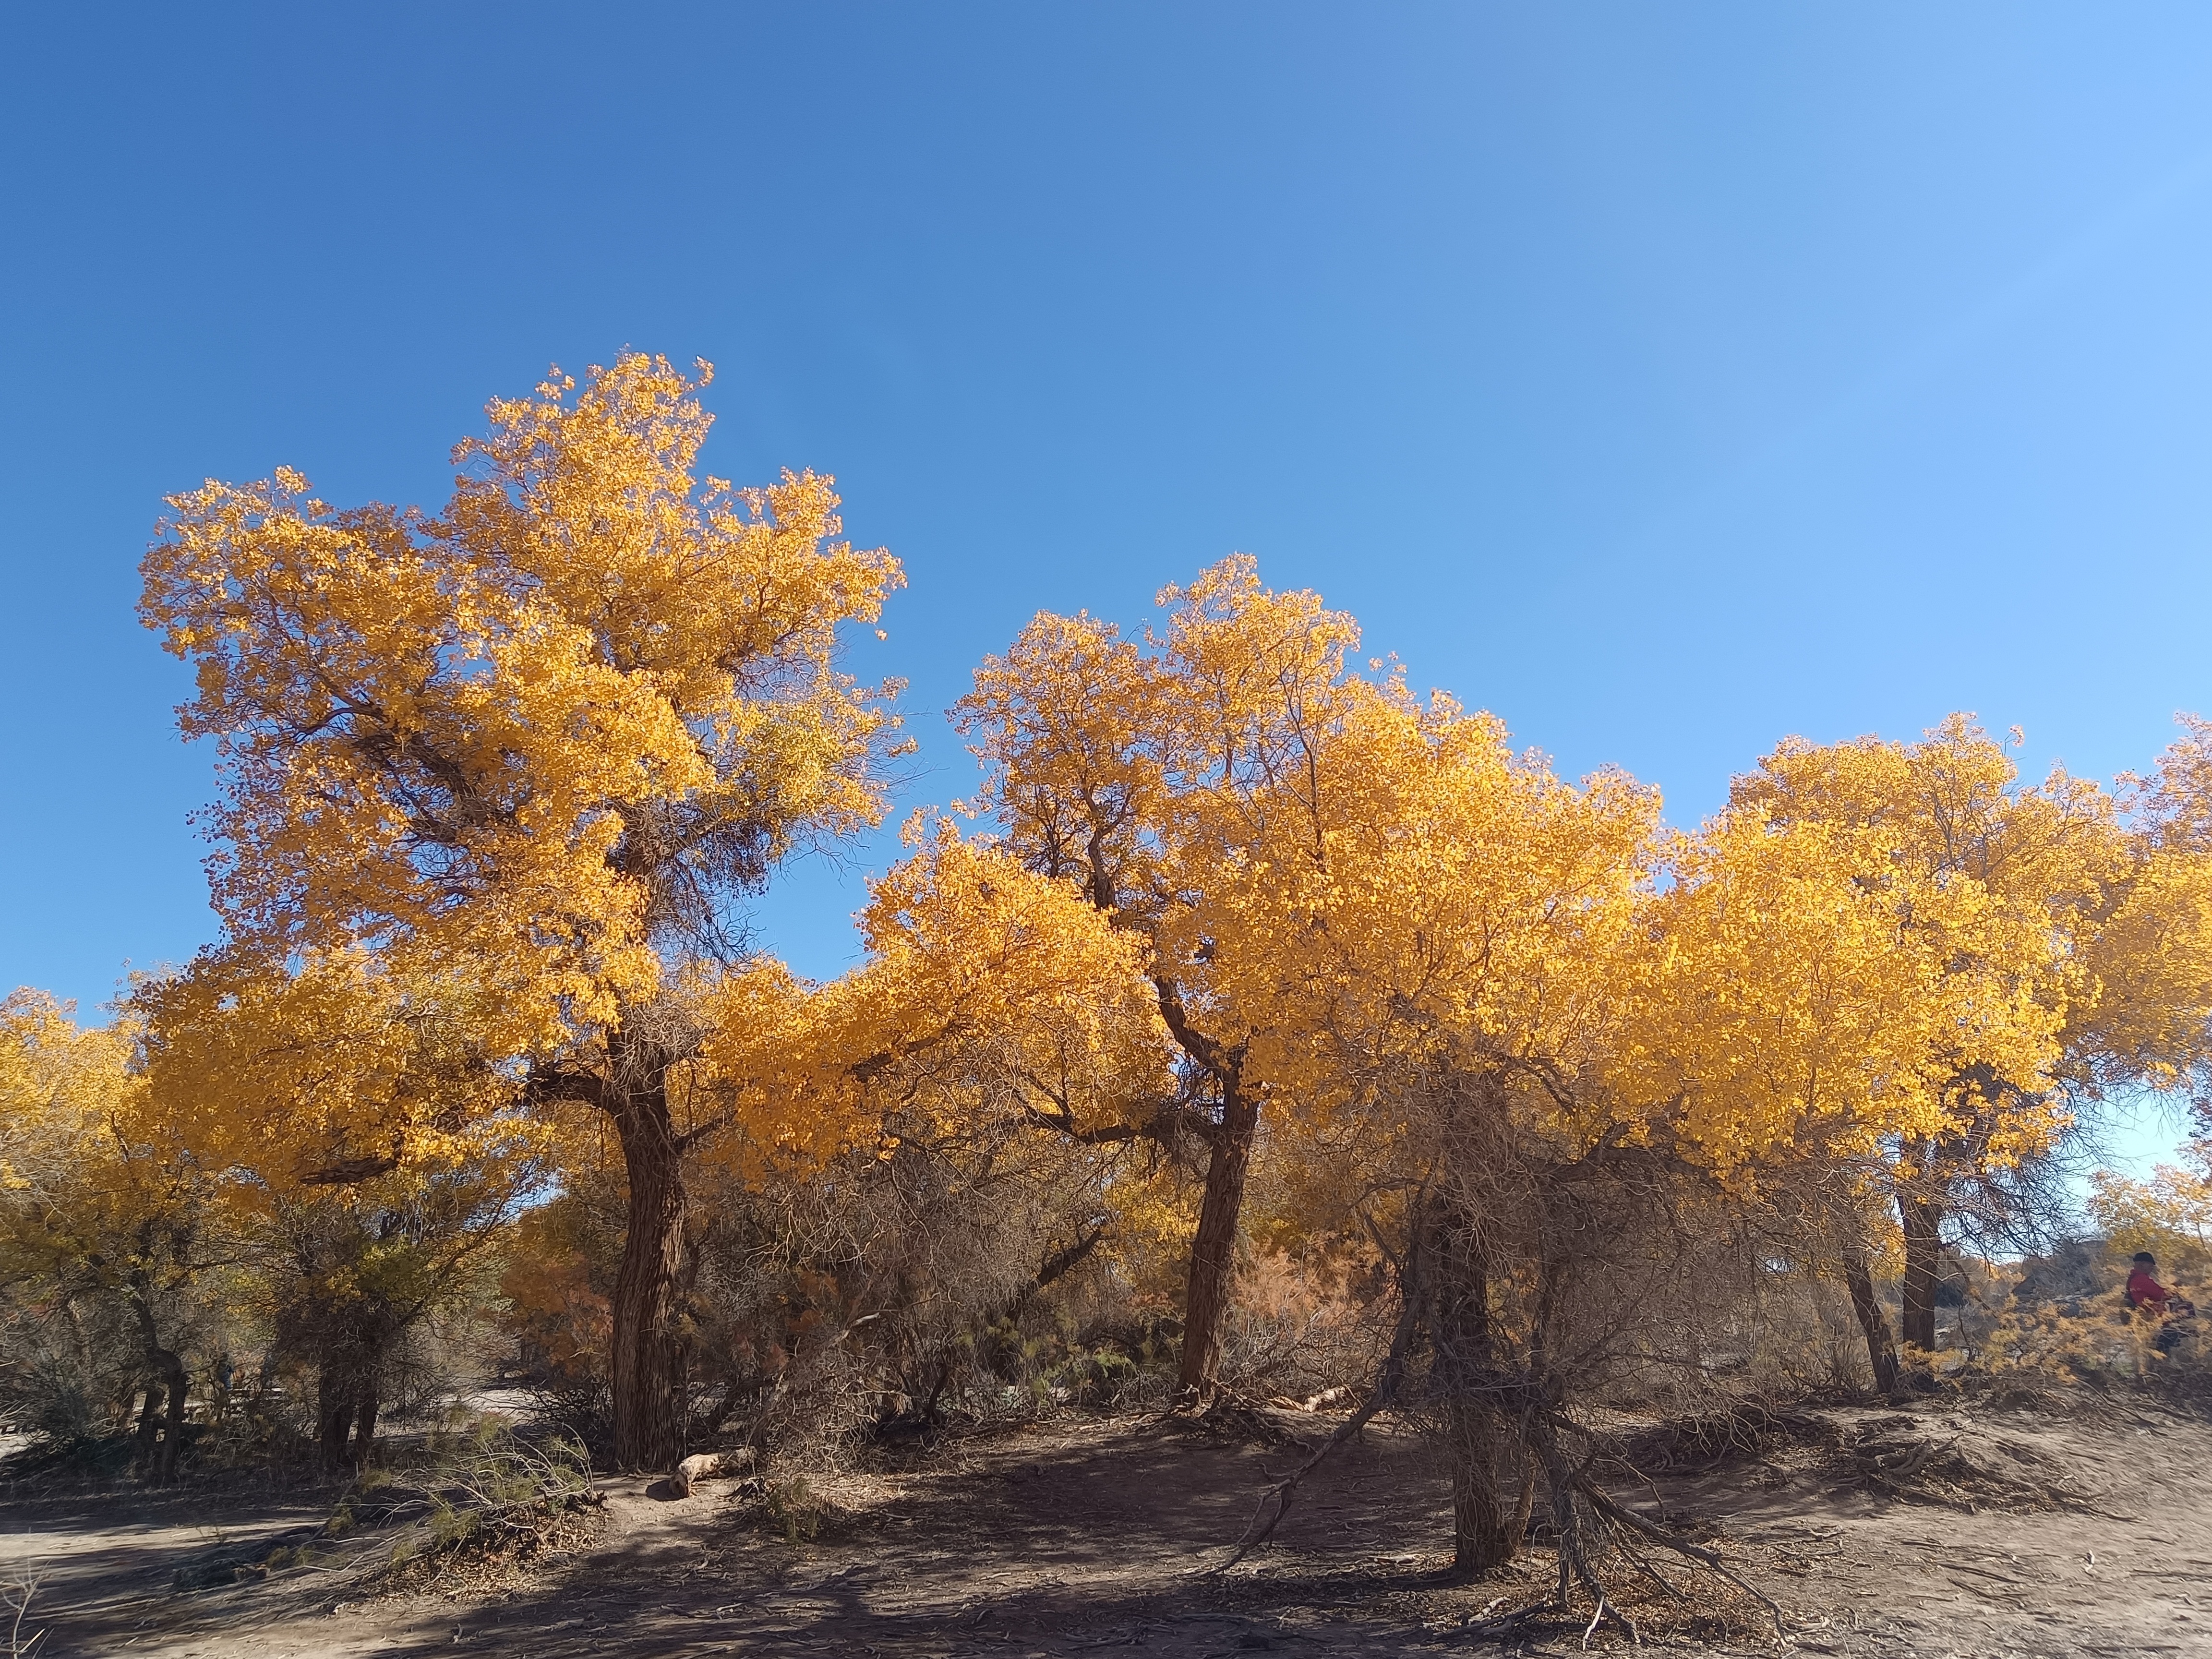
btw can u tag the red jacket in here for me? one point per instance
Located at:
(2144, 1291)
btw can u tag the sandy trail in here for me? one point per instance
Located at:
(1083, 1537)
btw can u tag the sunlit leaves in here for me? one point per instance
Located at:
(551, 733)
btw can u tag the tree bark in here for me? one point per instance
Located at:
(172, 1436)
(337, 1395)
(1484, 1536)
(149, 1429)
(158, 1435)
(1516, 1532)
(1213, 1251)
(646, 1422)
(1922, 1222)
(1874, 1323)
(364, 1422)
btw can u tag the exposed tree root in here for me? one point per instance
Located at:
(1592, 1525)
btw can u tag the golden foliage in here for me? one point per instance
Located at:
(2170, 1214)
(544, 733)
(334, 1073)
(1461, 909)
(987, 989)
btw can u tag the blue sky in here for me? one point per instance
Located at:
(1667, 380)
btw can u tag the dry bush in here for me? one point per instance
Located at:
(2097, 1339)
(477, 1480)
(19, 1587)
(1302, 1326)
(945, 1278)
(800, 1511)
(1801, 1337)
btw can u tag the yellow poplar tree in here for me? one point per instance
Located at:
(2060, 956)
(1804, 1033)
(987, 990)
(1140, 770)
(546, 738)
(1432, 988)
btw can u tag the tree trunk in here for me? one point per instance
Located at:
(1924, 1244)
(1213, 1251)
(337, 1395)
(1881, 1351)
(158, 1436)
(1484, 1536)
(173, 1437)
(160, 1431)
(149, 1430)
(646, 1419)
(364, 1423)
(1516, 1534)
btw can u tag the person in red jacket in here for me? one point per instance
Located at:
(2148, 1295)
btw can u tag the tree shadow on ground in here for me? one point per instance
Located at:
(1044, 1543)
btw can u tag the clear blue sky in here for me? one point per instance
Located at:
(1666, 378)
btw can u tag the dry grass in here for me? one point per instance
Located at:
(495, 1564)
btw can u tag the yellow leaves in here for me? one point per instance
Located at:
(1782, 1007)
(333, 1073)
(547, 1285)
(1255, 669)
(493, 779)
(87, 1182)
(550, 731)
(1115, 762)
(2175, 804)
(2148, 964)
(987, 989)
(1881, 947)
(63, 1089)
(1896, 948)
(2172, 1209)
(1465, 910)
(1075, 725)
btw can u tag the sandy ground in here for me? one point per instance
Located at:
(1090, 1537)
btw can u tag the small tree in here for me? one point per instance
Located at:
(363, 1148)
(349, 1274)
(108, 1227)
(994, 1002)
(1438, 984)
(2170, 1214)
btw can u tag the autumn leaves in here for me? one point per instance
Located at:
(494, 782)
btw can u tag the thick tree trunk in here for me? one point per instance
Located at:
(1922, 1220)
(337, 1395)
(1213, 1251)
(1483, 1535)
(158, 1435)
(349, 1387)
(364, 1421)
(1874, 1323)
(1479, 1527)
(647, 1423)
(149, 1430)
(172, 1436)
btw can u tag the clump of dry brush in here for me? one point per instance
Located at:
(938, 1281)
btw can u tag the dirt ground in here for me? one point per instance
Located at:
(1949, 1529)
